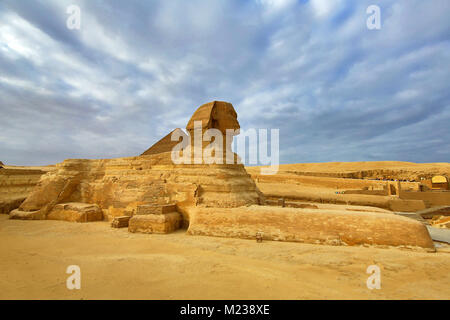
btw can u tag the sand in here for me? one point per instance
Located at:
(116, 264)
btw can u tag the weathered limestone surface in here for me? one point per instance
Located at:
(155, 223)
(120, 222)
(406, 205)
(119, 186)
(310, 226)
(76, 212)
(15, 185)
(155, 209)
(9, 204)
(25, 215)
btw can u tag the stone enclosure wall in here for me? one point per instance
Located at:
(15, 186)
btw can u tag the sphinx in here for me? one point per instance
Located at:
(157, 195)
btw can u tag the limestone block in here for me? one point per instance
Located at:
(401, 205)
(155, 209)
(155, 223)
(120, 222)
(310, 226)
(76, 212)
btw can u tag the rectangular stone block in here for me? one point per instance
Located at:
(120, 222)
(401, 205)
(155, 223)
(155, 209)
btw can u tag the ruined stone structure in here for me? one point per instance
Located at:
(209, 199)
(439, 183)
(16, 183)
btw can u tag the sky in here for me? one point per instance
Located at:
(135, 70)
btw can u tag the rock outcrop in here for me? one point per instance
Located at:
(72, 212)
(76, 212)
(16, 183)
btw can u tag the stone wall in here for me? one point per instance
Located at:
(15, 186)
(433, 198)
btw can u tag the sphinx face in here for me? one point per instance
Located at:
(225, 117)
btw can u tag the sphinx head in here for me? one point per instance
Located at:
(212, 127)
(215, 115)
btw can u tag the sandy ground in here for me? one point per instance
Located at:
(116, 264)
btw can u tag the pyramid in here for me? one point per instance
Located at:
(165, 144)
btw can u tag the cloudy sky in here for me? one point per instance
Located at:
(137, 69)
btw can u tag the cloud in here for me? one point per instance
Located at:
(135, 70)
(323, 8)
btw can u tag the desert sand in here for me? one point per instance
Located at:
(116, 264)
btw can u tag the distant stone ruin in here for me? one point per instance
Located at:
(439, 183)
